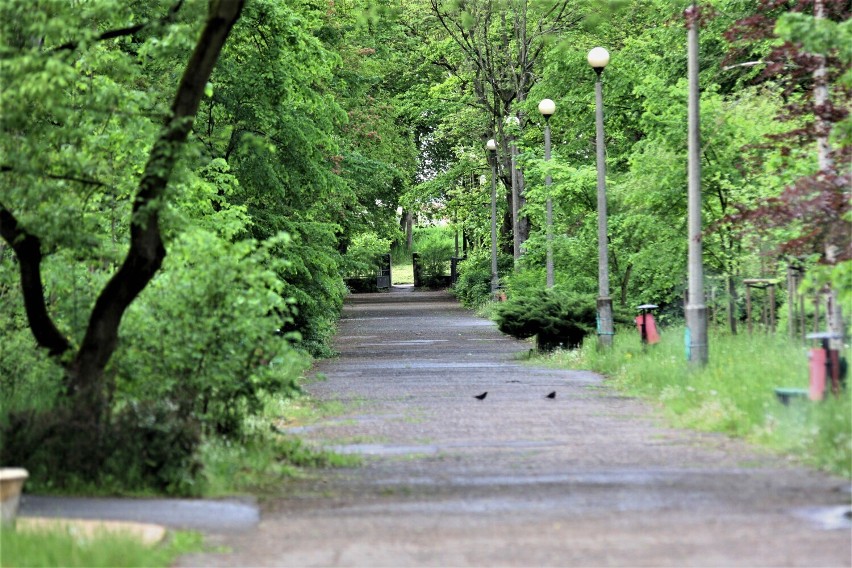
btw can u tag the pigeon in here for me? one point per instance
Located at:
(551, 395)
(481, 396)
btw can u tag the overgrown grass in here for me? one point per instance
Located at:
(260, 462)
(62, 546)
(734, 394)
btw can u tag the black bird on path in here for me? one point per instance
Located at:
(481, 396)
(551, 395)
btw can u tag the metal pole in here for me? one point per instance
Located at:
(493, 224)
(516, 237)
(696, 311)
(605, 324)
(549, 221)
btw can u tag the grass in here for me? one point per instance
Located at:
(63, 547)
(267, 456)
(403, 273)
(733, 394)
(402, 270)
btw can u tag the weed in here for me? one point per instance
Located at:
(733, 394)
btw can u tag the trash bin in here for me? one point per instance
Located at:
(647, 326)
(826, 367)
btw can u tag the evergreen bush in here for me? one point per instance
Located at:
(556, 317)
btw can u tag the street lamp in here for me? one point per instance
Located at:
(547, 107)
(514, 123)
(598, 59)
(491, 145)
(696, 311)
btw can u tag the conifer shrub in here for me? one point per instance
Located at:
(554, 316)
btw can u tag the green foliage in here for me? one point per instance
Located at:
(554, 316)
(203, 333)
(734, 394)
(310, 128)
(435, 251)
(67, 547)
(364, 255)
(259, 461)
(258, 464)
(473, 287)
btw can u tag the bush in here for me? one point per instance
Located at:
(197, 352)
(435, 252)
(555, 317)
(473, 286)
(150, 446)
(202, 335)
(364, 256)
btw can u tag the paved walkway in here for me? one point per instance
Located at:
(589, 478)
(210, 515)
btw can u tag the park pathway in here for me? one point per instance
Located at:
(589, 478)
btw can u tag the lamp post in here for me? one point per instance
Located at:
(696, 311)
(598, 59)
(547, 107)
(491, 145)
(514, 124)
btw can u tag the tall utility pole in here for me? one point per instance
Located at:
(514, 123)
(598, 58)
(547, 107)
(492, 151)
(696, 311)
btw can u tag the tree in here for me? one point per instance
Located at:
(84, 364)
(813, 66)
(501, 42)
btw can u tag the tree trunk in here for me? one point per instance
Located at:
(85, 370)
(732, 303)
(409, 230)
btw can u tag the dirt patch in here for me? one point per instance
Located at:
(588, 478)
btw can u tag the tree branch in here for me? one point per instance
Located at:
(147, 251)
(130, 30)
(64, 177)
(27, 249)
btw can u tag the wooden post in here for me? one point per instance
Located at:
(791, 304)
(772, 308)
(732, 304)
(748, 307)
(816, 314)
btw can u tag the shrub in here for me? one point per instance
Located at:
(555, 317)
(473, 287)
(203, 334)
(364, 255)
(435, 251)
(198, 350)
(149, 446)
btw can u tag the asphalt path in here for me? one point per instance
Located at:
(587, 478)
